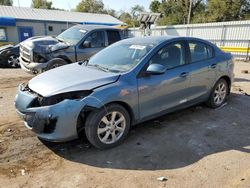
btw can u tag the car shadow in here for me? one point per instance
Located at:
(171, 141)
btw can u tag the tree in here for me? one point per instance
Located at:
(42, 4)
(6, 2)
(176, 11)
(127, 18)
(136, 10)
(91, 6)
(155, 6)
(111, 12)
(227, 10)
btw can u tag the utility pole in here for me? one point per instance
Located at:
(189, 12)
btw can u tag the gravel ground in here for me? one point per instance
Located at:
(196, 147)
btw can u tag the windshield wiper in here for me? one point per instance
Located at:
(60, 39)
(100, 67)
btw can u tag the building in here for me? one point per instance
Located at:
(20, 23)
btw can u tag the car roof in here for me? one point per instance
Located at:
(93, 27)
(160, 39)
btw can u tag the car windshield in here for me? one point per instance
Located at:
(72, 35)
(120, 57)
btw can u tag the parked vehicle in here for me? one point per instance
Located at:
(38, 54)
(9, 56)
(129, 82)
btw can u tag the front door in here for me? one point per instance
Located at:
(162, 92)
(97, 43)
(25, 33)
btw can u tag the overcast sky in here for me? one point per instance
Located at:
(70, 4)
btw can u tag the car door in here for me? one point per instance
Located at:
(113, 36)
(96, 41)
(158, 93)
(202, 69)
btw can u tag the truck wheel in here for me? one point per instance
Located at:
(56, 63)
(107, 127)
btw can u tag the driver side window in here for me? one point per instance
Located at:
(96, 39)
(170, 56)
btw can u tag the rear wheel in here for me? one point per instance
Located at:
(219, 94)
(107, 127)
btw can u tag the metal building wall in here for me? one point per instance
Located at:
(230, 34)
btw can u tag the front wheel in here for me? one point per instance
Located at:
(13, 61)
(219, 94)
(107, 127)
(56, 63)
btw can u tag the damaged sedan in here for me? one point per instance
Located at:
(131, 81)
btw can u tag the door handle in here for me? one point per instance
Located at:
(184, 74)
(213, 66)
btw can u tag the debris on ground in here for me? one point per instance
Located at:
(109, 162)
(162, 178)
(23, 172)
(234, 123)
(245, 71)
(138, 143)
(9, 130)
(243, 92)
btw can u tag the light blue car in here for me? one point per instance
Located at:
(131, 81)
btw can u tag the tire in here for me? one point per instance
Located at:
(110, 135)
(56, 63)
(219, 94)
(13, 61)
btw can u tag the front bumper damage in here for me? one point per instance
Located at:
(32, 67)
(55, 123)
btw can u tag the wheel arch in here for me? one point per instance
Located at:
(65, 58)
(86, 110)
(127, 107)
(228, 80)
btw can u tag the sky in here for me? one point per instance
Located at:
(71, 4)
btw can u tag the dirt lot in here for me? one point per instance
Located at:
(196, 147)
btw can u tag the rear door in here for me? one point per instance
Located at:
(97, 42)
(113, 36)
(202, 68)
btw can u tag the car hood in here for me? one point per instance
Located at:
(45, 44)
(73, 77)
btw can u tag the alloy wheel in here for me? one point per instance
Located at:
(111, 127)
(13, 61)
(220, 93)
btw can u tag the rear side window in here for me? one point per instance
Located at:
(200, 51)
(113, 36)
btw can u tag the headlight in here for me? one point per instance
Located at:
(76, 95)
(38, 58)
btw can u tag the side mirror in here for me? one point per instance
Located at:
(156, 69)
(86, 44)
